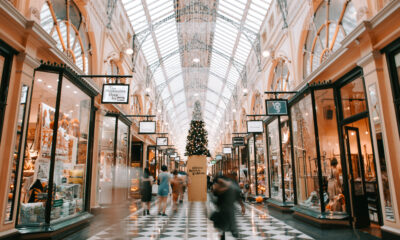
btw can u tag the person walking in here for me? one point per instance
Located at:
(163, 190)
(146, 191)
(176, 185)
(226, 193)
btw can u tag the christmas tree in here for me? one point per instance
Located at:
(197, 142)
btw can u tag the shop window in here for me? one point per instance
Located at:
(6, 56)
(62, 20)
(17, 154)
(332, 22)
(261, 166)
(56, 153)
(353, 98)
(274, 157)
(282, 80)
(305, 155)
(331, 164)
(286, 159)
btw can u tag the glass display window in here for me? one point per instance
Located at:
(251, 166)
(17, 153)
(274, 158)
(53, 185)
(305, 154)
(353, 98)
(286, 159)
(331, 164)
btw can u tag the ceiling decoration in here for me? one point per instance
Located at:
(196, 50)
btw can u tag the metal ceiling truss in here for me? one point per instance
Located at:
(251, 36)
(284, 12)
(110, 12)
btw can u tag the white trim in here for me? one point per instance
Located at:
(384, 13)
(13, 13)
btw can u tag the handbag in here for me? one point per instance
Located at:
(154, 189)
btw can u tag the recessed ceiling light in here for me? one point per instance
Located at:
(196, 94)
(196, 60)
(40, 80)
(68, 86)
(159, 110)
(75, 92)
(49, 86)
(148, 90)
(234, 110)
(129, 51)
(77, 105)
(245, 90)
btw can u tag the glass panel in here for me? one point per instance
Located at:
(261, 169)
(39, 139)
(397, 62)
(330, 152)
(251, 164)
(2, 60)
(17, 154)
(274, 157)
(353, 98)
(365, 154)
(121, 173)
(71, 152)
(305, 154)
(151, 161)
(106, 160)
(287, 159)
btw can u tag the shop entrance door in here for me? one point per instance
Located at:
(356, 180)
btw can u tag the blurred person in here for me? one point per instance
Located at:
(226, 193)
(146, 191)
(176, 185)
(184, 185)
(163, 190)
(208, 182)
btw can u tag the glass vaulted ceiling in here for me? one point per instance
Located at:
(200, 73)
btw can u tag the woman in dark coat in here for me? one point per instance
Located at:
(145, 191)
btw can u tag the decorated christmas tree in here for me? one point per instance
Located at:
(197, 142)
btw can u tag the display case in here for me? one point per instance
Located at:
(56, 163)
(280, 162)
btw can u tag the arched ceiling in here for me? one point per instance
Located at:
(196, 50)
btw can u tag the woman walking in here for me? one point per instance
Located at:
(163, 190)
(145, 191)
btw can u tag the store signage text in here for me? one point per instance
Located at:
(115, 93)
(276, 107)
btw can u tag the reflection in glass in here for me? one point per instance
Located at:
(17, 153)
(287, 159)
(375, 114)
(106, 159)
(305, 155)
(251, 171)
(71, 152)
(274, 160)
(121, 173)
(261, 169)
(39, 140)
(329, 148)
(353, 98)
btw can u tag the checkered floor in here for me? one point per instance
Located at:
(190, 222)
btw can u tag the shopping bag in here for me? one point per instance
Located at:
(154, 189)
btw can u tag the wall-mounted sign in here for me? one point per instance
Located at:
(213, 162)
(170, 152)
(255, 126)
(173, 155)
(227, 150)
(115, 93)
(238, 141)
(162, 141)
(276, 107)
(218, 157)
(147, 127)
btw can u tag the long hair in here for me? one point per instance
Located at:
(146, 172)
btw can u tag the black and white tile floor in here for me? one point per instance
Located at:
(191, 222)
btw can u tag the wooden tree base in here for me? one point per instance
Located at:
(197, 174)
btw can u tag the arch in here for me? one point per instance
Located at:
(64, 22)
(327, 31)
(256, 103)
(280, 78)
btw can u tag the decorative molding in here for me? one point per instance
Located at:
(29, 60)
(368, 58)
(13, 13)
(388, 10)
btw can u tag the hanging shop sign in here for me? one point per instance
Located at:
(171, 152)
(115, 93)
(177, 159)
(218, 157)
(162, 141)
(227, 150)
(213, 162)
(276, 107)
(147, 127)
(255, 126)
(174, 155)
(238, 141)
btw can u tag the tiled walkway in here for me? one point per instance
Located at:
(191, 222)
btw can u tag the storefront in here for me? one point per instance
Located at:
(333, 155)
(256, 165)
(136, 166)
(151, 161)
(114, 154)
(58, 150)
(279, 153)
